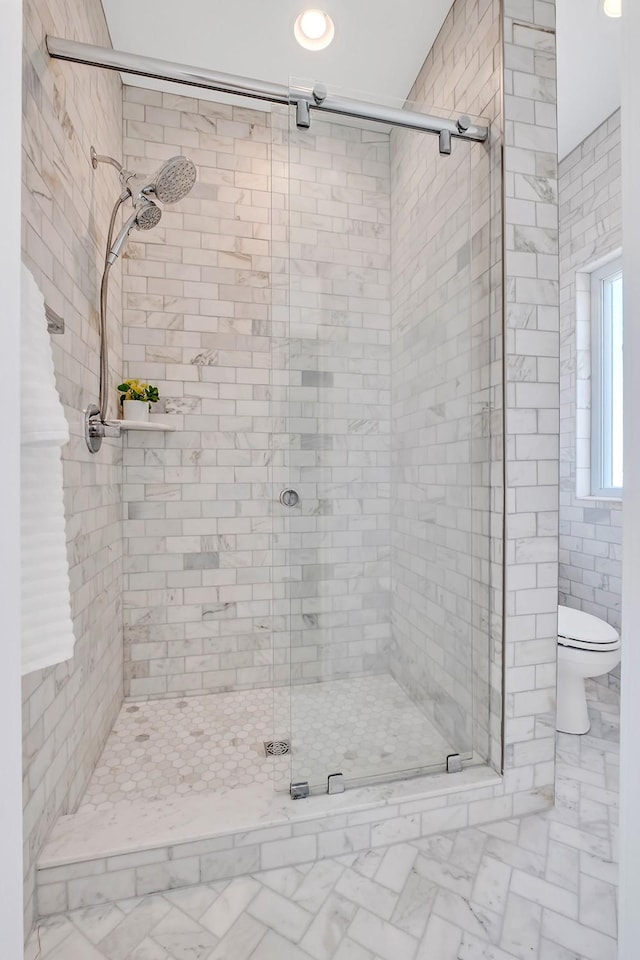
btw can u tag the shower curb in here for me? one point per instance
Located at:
(95, 858)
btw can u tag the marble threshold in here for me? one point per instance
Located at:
(152, 846)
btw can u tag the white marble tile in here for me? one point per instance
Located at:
(241, 940)
(366, 893)
(491, 884)
(193, 901)
(544, 893)
(442, 939)
(137, 924)
(395, 866)
(317, 884)
(233, 900)
(280, 913)
(148, 949)
(377, 935)
(273, 945)
(521, 928)
(479, 921)
(97, 922)
(75, 947)
(350, 950)
(447, 875)
(598, 907)
(328, 927)
(585, 941)
(415, 904)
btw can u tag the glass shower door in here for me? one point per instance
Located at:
(378, 526)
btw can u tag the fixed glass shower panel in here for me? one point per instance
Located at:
(381, 364)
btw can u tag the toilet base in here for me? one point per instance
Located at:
(572, 714)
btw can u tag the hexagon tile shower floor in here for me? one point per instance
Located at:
(213, 743)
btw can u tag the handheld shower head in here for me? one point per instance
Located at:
(145, 216)
(173, 181)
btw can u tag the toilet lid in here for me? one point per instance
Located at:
(576, 628)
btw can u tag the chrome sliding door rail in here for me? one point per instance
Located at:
(303, 100)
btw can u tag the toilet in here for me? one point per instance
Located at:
(587, 647)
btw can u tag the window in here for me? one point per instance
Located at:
(606, 380)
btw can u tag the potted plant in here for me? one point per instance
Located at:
(136, 398)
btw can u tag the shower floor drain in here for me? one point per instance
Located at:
(276, 748)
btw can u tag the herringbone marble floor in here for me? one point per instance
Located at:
(541, 887)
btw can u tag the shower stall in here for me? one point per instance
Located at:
(312, 533)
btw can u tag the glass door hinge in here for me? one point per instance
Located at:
(300, 790)
(454, 763)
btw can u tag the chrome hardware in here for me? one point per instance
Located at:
(55, 323)
(335, 783)
(300, 790)
(320, 93)
(303, 114)
(289, 498)
(276, 748)
(445, 143)
(111, 59)
(95, 430)
(454, 763)
(463, 123)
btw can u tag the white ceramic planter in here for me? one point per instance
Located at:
(135, 410)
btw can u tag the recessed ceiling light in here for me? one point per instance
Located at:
(314, 30)
(612, 8)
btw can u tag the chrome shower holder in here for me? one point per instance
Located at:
(95, 430)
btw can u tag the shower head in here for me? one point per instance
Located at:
(175, 180)
(145, 216)
(171, 183)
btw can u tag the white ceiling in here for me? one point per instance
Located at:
(589, 51)
(378, 50)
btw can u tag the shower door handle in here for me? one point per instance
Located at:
(289, 498)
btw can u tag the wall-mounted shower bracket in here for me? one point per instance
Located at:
(95, 430)
(300, 790)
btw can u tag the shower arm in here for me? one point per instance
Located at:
(97, 158)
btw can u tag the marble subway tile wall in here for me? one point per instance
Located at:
(532, 401)
(445, 331)
(196, 294)
(590, 228)
(69, 709)
(203, 559)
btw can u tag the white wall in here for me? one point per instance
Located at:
(629, 933)
(590, 194)
(10, 760)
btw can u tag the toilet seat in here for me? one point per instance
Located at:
(582, 631)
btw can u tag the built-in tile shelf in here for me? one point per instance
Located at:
(142, 425)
